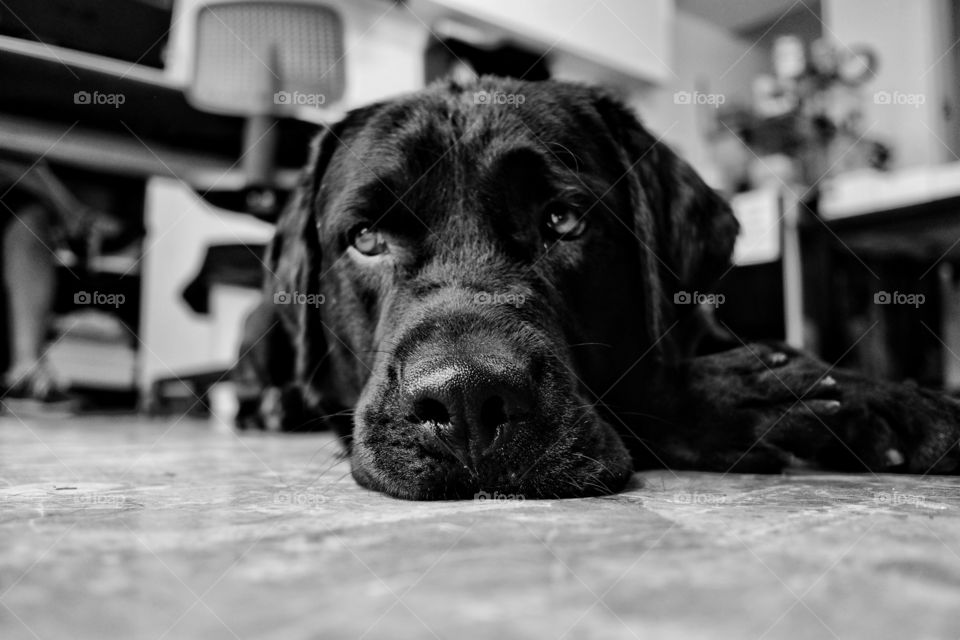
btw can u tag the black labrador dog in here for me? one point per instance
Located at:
(474, 285)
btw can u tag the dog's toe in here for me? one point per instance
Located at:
(777, 359)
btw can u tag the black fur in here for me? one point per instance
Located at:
(579, 370)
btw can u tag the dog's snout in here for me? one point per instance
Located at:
(468, 402)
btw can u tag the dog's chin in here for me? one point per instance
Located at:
(578, 459)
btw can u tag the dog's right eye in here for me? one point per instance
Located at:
(563, 223)
(367, 241)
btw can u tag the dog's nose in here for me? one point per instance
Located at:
(468, 402)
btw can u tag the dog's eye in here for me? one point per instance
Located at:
(563, 222)
(368, 241)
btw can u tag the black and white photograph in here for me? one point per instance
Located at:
(546, 319)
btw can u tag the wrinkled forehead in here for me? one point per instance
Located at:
(447, 142)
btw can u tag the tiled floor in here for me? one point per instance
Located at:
(129, 528)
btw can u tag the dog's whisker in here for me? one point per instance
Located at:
(591, 344)
(315, 419)
(316, 368)
(327, 470)
(443, 442)
(334, 482)
(336, 414)
(642, 414)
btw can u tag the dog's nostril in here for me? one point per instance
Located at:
(430, 410)
(493, 413)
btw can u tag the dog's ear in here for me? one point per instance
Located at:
(685, 228)
(294, 260)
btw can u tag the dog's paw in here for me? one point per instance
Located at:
(758, 407)
(894, 427)
(790, 405)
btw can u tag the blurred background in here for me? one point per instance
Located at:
(147, 146)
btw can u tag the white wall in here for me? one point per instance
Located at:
(911, 38)
(709, 60)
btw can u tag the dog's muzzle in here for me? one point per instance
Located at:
(470, 401)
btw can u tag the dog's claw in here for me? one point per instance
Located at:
(894, 458)
(778, 358)
(830, 407)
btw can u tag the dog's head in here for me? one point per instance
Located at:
(494, 263)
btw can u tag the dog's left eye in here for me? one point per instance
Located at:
(563, 222)
(367, 241)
